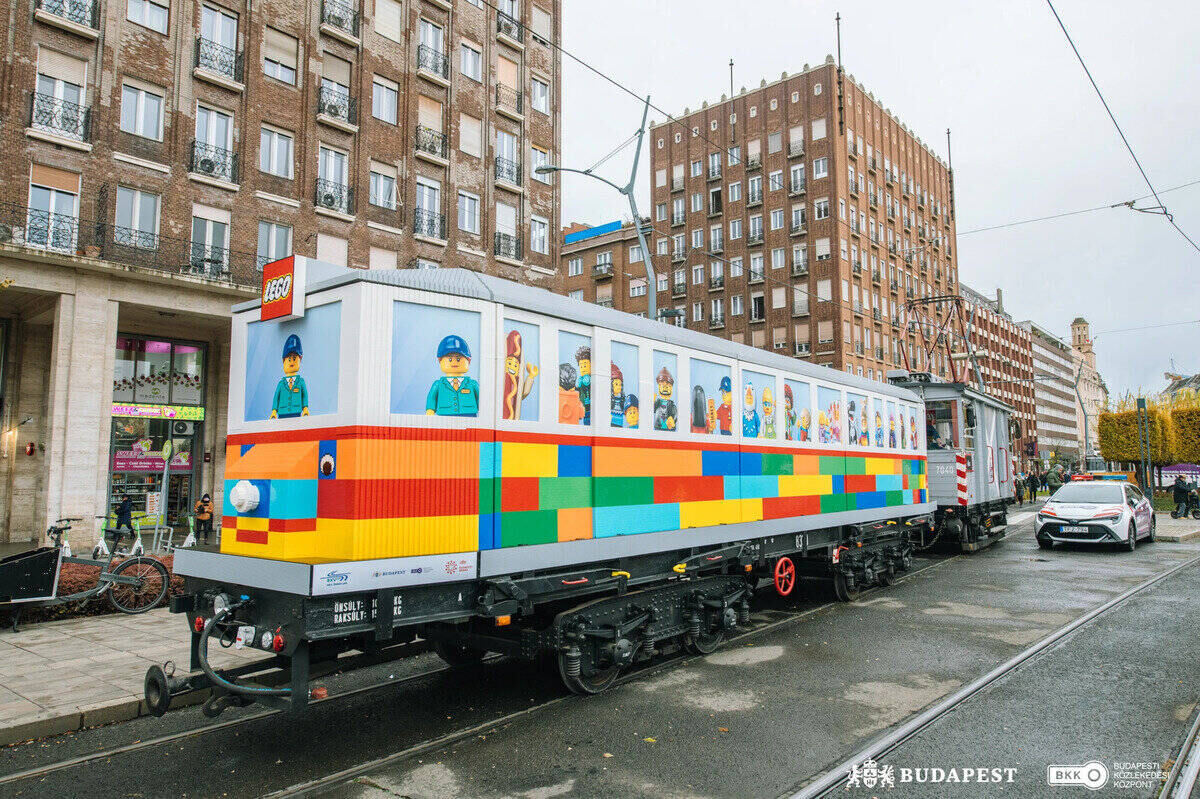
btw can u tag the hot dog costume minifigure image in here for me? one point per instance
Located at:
(291, 394)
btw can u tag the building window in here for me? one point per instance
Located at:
(470, 135)
(471, 63)
(697, 202)
(735, 191)
(735, 152)
(53, 221)
(540, 95)
(152, 15)
(210, 242)
(575, 267)
(774, 140)
(775, 180)
(384, 97)
(735, 267)
(468, 218)
(697, 312)
(383, 186)
(776, 219)
(539, 235)
(577, 294)
(821, 209)
(735, 229)
(660, 212)
(539, 157)
(274, 242)
(275, 153)
(698, 274)
(279, 56)
(818, 129)
(735, 305)
(820, 168)
(637, 288)
(141, 112)
(137, 218)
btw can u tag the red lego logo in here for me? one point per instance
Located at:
(278, 288)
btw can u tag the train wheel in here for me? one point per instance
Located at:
(704, 644)
(887, 575)
(841, 589)
(586, 678)
(785, 576)
(458, 655)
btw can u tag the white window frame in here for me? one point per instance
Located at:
(140, 111)
(471, 219)
(539, 242)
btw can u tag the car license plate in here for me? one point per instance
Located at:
(1074, 528)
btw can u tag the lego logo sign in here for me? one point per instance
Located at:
(283, 289)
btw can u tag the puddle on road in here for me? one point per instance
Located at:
(966, 610)
(892, 702)
(686, 687)
(746, 656)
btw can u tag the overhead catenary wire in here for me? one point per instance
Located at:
(1161, 205)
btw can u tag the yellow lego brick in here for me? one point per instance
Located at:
(920, 481)
(881, 466)
(397, 538)
(251, 523)
(707, 513)
(805, 485)
(751, 509)
(527, 460)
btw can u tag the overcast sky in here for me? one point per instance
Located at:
(1030, 136)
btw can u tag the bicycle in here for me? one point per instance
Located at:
(136, 585)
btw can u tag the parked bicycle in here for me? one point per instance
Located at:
(30, 579)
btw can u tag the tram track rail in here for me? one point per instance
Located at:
(312, 786)
(1184, 772)
(825, 783)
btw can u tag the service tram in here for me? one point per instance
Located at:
(490, 467)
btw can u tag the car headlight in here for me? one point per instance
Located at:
(1110, 518)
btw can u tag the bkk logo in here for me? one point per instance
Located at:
(336, 578)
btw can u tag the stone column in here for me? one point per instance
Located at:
(82, 358)
(26, 501)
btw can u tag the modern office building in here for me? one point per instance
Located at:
(799, 219)
(1054, 396)
(157, 153)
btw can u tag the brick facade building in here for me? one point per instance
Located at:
(158, 152)
(1004, 350)
(776, 225)
(1054, 397)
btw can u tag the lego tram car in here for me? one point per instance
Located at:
(489, 467)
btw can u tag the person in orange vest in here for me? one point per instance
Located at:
(203, 513)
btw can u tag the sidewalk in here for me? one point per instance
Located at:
(65, 675)
(1174, 530)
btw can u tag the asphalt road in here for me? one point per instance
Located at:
(757, 718)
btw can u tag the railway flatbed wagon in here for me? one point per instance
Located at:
(490, 467)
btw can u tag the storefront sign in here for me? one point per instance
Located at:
(283, 289)
(143, 459)
(186, 413)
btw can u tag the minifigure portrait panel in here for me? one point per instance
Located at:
(292, 366)
(434, 366)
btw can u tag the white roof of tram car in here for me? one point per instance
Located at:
(468, 283)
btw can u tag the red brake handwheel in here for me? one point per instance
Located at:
(785, 576)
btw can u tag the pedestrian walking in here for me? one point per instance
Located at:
(125, 515)
(1033, 481)
(203, 513)
(1020, 486)
(1054, 479)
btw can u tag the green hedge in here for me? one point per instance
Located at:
(1119, 440)
(1185, 428)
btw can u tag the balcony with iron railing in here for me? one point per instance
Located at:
(714, 172)
(800, 308)
(433, 61)
(432, 142)
(42, 231)
(78, 16)
(508, 246)
(753, 162)
(678, 288)
(218, 60)
(59, 117)
(335, 106)
(754, 198)
(754, 237)
(716, 282)
(509, 101)
(508, 171)
(909, 293)
(679, 254)
(800, 267)
(877, 315)
(714, 209)
(604, 302)
(430, 224)
(856, 268)
(717, 245)
(602, 271)
(333, 196)
(510, 28)
(858, 306)
(879, 353)
(756, 275)
(799, 228)
(795, 149)
(339, 19)
(894, 285)
(798, 187)
(858, 348)
(876, 276)
(717, 321)
(214, 162)
(676, 184)
(677, 219)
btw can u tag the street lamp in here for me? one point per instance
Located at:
(627, 190)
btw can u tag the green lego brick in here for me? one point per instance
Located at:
(777, 464)
(564, 492)
(833, 464)
(518, 528)
(609, 491)
(906, 467)
(856, 465)
(487, 496)
(895, 498)
(834, 502)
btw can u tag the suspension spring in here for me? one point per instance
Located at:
(574, 658)
(744, 613)
(694, 626)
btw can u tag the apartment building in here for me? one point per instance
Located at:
(1054, 396)
(783, 222)
(1092, 388)
(604, 265)
(158, 152)
(1004, 352)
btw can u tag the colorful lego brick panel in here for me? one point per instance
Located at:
(361, 493)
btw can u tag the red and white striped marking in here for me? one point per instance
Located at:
(960, 473)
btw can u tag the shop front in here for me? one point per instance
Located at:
(157, 412)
